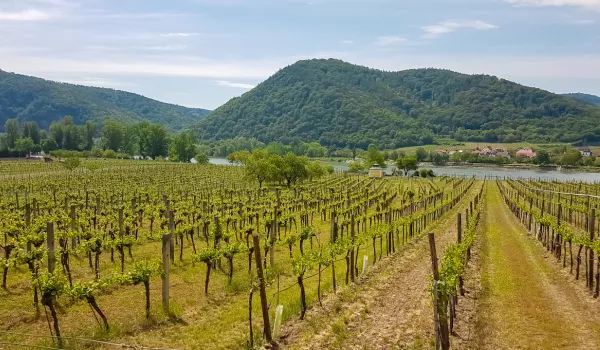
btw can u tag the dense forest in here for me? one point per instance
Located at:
(33, 99)
(340, 104)
(587, 98)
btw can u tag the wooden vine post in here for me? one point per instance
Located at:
(50, 245)
(591, 224)
(166, 260)
(459, 231)
(73, 216)
(352, 234)
(442, 338)
(263, 292)
(28, 222)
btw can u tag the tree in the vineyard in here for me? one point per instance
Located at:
(407, 164)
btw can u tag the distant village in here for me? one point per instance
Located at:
(522, 153)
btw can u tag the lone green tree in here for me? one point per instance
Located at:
(407, 164)
(183, 147)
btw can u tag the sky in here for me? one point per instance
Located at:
(201, 53)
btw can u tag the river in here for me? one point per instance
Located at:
(481, 172)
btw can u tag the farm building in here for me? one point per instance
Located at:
(526, 153)
(585, 151)
(376, 171)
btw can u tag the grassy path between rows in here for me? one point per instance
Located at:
(526, 301)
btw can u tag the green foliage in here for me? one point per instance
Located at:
(143, 270)
(208, 255)
(421, 154)
(11, 127)
(340, 104)
(109, 154)
(240, 157)
(374, 156)
(24, 145)
(201, 158)
(32, 131)
(542, 157)
(71, 163)
(153, 140)
(51, 285)
(356, 166)
(113, 134)
(315, 170)
(223, 148)
(43, 101)
(183, 147)
(571, 158)
(49, 145)
(439, 158)
(407, 164)
(586, 98)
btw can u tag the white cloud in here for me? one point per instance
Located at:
(98, 82)
(161, 48)
(140, 16)
(446, 27)
(27, 15)
(347, 42)
(389, 40)
(179, 66)
(583, 21)
(581, 3)
(180, 35)
(234, 85)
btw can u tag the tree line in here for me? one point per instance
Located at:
(113, 139)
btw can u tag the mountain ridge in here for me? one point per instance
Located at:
(44, 101)
(586, 98)
(341, 104)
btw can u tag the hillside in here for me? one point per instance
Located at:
(339, 104)
(587, 98)
(34, 99)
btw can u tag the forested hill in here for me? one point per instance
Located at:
(337, 103)
(34, 99)
(587, 98)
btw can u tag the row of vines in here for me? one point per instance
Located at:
(91, 235)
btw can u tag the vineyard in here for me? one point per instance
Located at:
(178, 256)
(106, 253)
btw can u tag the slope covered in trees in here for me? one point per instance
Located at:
(587, 98)
(340, 104)
(34, 99)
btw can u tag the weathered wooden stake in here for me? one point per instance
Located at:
(166, 257)
(263, 292)
(50, 245)
(441, 323)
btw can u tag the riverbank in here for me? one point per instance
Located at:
(519, 166)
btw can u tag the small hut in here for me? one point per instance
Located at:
(376, 172)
